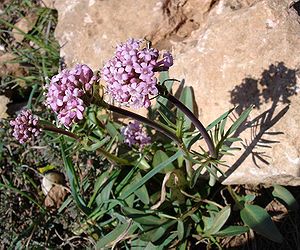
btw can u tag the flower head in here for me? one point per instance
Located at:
(134, 134)
(25, 126)
(67, 91)
(130, 74)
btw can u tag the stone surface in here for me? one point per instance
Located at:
(232, 52)
(3, 106)
(90, 30)
(250, 56)
(23, 26)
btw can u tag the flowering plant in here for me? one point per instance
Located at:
(155, 188)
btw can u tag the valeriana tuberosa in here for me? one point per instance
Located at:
(134, 134)
(130, 74)
(25, 126)
(67, 93)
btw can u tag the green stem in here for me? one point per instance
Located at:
(192, 117)
(234, 197)
(74, 136)
(29, 103)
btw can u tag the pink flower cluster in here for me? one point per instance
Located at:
(25, 126)
(130, 74)
(67, 92)
(134, 134)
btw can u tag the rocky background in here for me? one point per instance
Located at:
(232, 52)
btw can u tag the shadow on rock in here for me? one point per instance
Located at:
(276, 85)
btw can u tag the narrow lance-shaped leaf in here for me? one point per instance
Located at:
(150, 174)
(232, 231)
(260, 221)
(112, 236)
(186, 98)
(219, 221)
(285, 197)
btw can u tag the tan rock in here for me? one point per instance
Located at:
(90, 30)
(234, 52)
(9, 66)
(48, 4)
(243, 57)
(23, 26)
(3, 106)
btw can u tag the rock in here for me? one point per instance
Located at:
(23, 26)
(3, 106)
(250, 56)
(48, 4)
(10, 67)
(232, 52)
(90, 30)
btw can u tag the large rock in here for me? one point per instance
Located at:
(88, 31)
(232, 52)
(250, 56)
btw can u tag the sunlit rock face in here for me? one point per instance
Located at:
(233, 53)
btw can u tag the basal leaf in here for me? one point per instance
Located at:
(142, 217)
(187, 99)
(112, 236)
(219, 220)
(150, 174)
(142, 192)
(285, 197)
(180, 229)
(232, 231)
(260, 221)
(161, 156)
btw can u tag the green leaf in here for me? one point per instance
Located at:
(150, 174)
(215, 122)
(142, 192)
(112, 236)
(260, 221)
(232, 231)
(180, 230)
(187, 99)
(161, 156)
(113, 131)
(106, 187)
(239, 121)
(196, 174)
(285, 197)
(157, 233)
(142, 217)
(163, 76)
(96, 143)
(219, 220)
(72, 176)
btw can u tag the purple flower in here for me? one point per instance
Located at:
(130, 74)
(134, 134)
(25, 126)
(67, 92)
